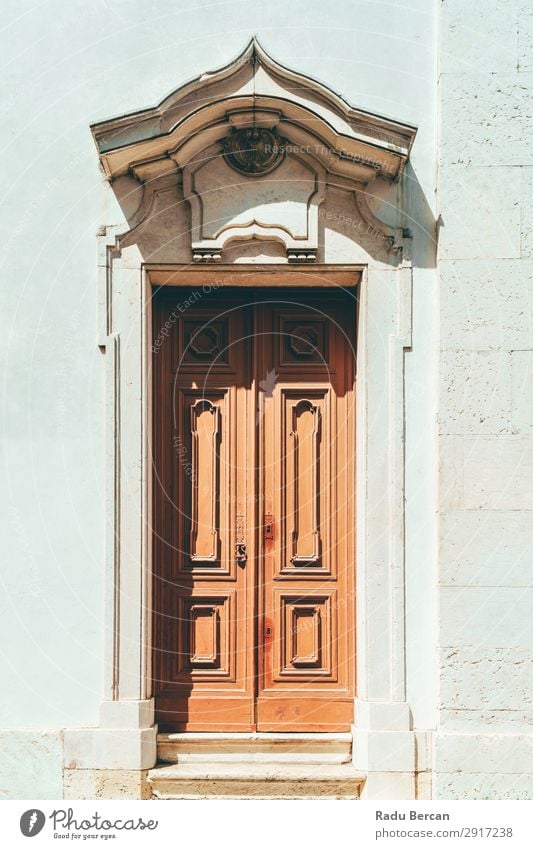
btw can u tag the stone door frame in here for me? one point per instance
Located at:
(384, 743)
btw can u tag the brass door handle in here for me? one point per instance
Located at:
(240, 554)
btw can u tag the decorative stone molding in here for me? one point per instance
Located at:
(255, 155)
(199, 255)
(280, 206)
(253, 81)
(392, 235)
(385, 745)
(299, 255)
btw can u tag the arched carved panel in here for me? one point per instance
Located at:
(303, 482)
(205, 477)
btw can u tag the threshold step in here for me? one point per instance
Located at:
(255, 780)
(317, 748)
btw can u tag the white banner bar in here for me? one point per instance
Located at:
(267, 824)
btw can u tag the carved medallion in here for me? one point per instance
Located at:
(253, 150)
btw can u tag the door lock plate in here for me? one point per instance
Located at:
(269, 527)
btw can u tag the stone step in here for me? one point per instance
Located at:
(255, 781)
(255, 747)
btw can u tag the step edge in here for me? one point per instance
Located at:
(303, 758)
(194, 797)
(155, 776)
(266, 736)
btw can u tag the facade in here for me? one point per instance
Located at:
(373, 167)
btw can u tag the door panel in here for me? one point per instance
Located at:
(203, 597)
(254, 510)
(307, 466)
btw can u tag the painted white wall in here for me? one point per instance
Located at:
(72, 64)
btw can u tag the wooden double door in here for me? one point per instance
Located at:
(254, 445)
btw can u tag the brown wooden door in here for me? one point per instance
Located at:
(254, 509)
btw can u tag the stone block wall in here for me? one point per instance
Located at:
(482, 746)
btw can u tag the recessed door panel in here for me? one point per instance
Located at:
(303, 421)
(205, 482)
(203, 478)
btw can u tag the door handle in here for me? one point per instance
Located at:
(240, 554)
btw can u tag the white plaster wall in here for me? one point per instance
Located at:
(32, 764)
(483, 746)
(73, 64)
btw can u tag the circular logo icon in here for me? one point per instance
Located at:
(32, 822)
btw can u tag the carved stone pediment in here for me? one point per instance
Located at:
(255, 146)
(279, 205)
